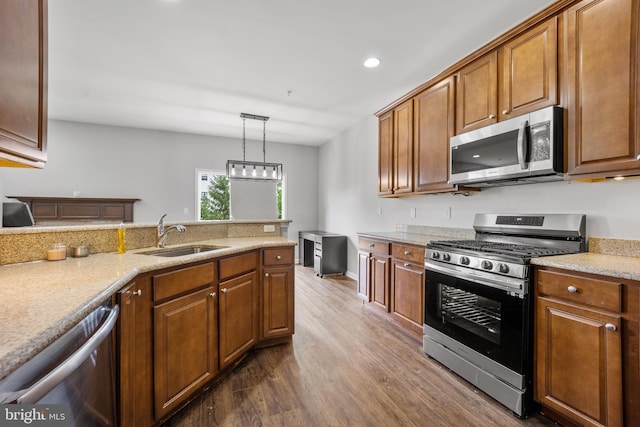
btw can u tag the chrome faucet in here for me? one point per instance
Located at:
(162, 233)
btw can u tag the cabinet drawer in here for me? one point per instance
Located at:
(407, 252)
(374, 246)
(178, 282)
(278, 256)
(238, 264)
(597, 293)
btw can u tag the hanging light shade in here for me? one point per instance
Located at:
(254, 170)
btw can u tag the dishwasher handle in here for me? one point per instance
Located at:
(47, 383)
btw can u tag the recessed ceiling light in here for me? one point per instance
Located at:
(372, 62)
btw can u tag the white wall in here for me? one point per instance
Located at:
(157, 167)
(349, 201)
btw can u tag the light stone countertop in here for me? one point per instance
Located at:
(624, 267)
(405, 237)
(41, 300)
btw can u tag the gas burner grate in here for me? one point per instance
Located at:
(501, 248)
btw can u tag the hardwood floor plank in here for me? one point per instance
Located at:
(348, 364)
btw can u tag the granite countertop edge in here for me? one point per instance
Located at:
(44, 299)
(623, 267)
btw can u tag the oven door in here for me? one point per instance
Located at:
(485, 319)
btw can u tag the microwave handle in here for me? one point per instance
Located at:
(522, 145)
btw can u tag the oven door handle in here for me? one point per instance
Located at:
(505, 283)
(522, 145)
(59, 373)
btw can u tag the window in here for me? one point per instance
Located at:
(214, 196)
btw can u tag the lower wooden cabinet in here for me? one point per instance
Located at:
(407, 293)
(238, 317)
(277, 294)
(180, 327)
(586, 347)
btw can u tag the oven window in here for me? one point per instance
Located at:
(478, 315)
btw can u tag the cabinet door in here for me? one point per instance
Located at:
(407, 293)
(277, 302)
(238, 317)
(602, 80)
(185, 347)
(23, 84)
(385, 154)
(379, 278)
(477, 94)
(529, 65)
(364, 262)
(403, 148)
(134, 341)
(578, 363)
(434, 125)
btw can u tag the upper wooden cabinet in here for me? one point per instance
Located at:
(528, 73)
(385, 154)
(433, 112)
(602, 88)
(395, 151)
(477, 103)
(23, 83)
(519, 77)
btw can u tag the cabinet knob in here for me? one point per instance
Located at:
(406, 264)
(137, 293)
(371, 245)
(407, 253)
(223, 290)
(492, 116)
(212, 294)
(266, 274)
(278, 257)
(638, 158)
(505, 112)
(611, 327)
(572, 289)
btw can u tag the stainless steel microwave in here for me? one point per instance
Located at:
(527, 148)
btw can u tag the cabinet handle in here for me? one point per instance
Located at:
(638, 158)
(278, 257)
(137, 293)
(572, 289)
(223, 290)
(371, 245)
(492, 116)
(505, 112)
(611, 327)
(266, 274)
(407, 253)
(212, 294)
(406, 264)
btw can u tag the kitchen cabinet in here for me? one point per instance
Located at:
(602, 88)
(135, 353)
(57, 210)
(277, 294)
(407, 285)
(385, 154)
(477, 94)
(376, 276)
(395, 151)
(185, 334)
(586, 347)
(23, 83)
(434, 112)
(238, 306)
(519, 77)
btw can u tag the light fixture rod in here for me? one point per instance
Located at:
(254, 117)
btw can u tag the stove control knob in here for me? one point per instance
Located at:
(446, 257)
(464, 260)
(503, 268)
(487, 265)
(435, 255)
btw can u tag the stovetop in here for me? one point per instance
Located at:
(509, 249)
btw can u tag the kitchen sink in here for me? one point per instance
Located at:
(182, 250)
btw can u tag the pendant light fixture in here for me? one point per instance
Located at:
(257, 171)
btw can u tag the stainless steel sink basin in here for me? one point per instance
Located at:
(182, 250)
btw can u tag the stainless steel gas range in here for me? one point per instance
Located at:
(478, 302)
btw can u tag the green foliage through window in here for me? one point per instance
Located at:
(215, 204)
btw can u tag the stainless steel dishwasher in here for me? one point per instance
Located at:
(75, 374)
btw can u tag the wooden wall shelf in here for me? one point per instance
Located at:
(58, 210)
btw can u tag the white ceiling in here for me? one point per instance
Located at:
(194, 65)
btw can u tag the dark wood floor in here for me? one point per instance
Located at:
(348, 365)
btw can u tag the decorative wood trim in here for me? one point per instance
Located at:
(80, 209)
